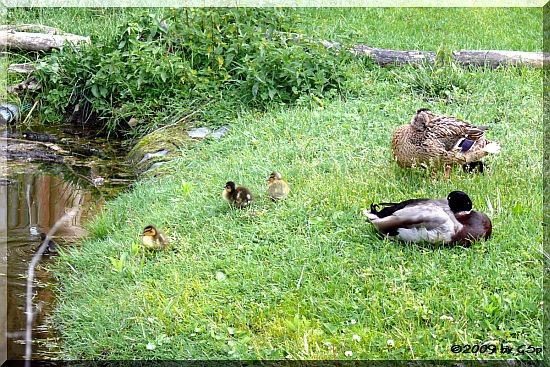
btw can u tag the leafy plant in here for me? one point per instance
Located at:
(120, 262)
(172, 64)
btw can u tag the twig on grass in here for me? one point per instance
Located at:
(301, 276)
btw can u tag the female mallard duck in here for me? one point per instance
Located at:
(153, 239)
(448, 221)
(277, 188)
(432, 139)
(237, 196)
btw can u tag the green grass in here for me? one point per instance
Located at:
(308, 278)
(98, 23)
(399, 28)
(429, 28)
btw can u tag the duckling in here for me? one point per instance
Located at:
(430, 139)
(153, 239)
(277, 188)
(51, 247)
(448, 221)
(240, 196)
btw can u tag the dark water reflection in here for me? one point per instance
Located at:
(37, 200)
(35, 195)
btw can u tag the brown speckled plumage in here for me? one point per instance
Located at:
(239, 197)
(430, 139)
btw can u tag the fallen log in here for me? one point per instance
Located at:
(29, 153)
(496, 58)
(487, 58)
(25, 68)
(65, 145)
(37, 41)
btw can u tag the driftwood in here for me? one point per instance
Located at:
(38, 140)
(29, 152)
(25, 68)
(37, 41)
(28, 84)
(488, 58)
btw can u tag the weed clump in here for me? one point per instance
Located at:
(164, 67)
(444, 80)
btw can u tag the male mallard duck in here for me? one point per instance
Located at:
(238, 196)
(450, 221)
(277, 188)
(433, 139)
(154, 239)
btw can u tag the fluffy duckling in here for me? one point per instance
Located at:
(240, 196)
(448, 221)
(153, 239)
(431, 139)
(277, 188)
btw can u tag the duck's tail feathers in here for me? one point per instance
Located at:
(374, 208)
(492, 148)
(374, 212)
(370, 215)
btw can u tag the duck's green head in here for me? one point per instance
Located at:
(459, 201)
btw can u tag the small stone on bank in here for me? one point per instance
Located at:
(199, 133)
(219, 133)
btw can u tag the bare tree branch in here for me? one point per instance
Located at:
(30, 280)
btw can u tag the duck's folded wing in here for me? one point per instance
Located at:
(445, 126)
(243, 195)
(428, 216)
(432, 223)
(438, 148)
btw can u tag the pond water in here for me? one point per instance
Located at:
(36, 201)
(34, 196)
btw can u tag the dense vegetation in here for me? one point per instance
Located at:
(307, 278)
(161, 67)
(156, 66)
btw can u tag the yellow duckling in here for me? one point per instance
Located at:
(277, 188)
(240, 196)
(153, 239)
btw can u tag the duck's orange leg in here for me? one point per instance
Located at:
(447, 171)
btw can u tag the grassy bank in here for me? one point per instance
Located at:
(307, 278)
